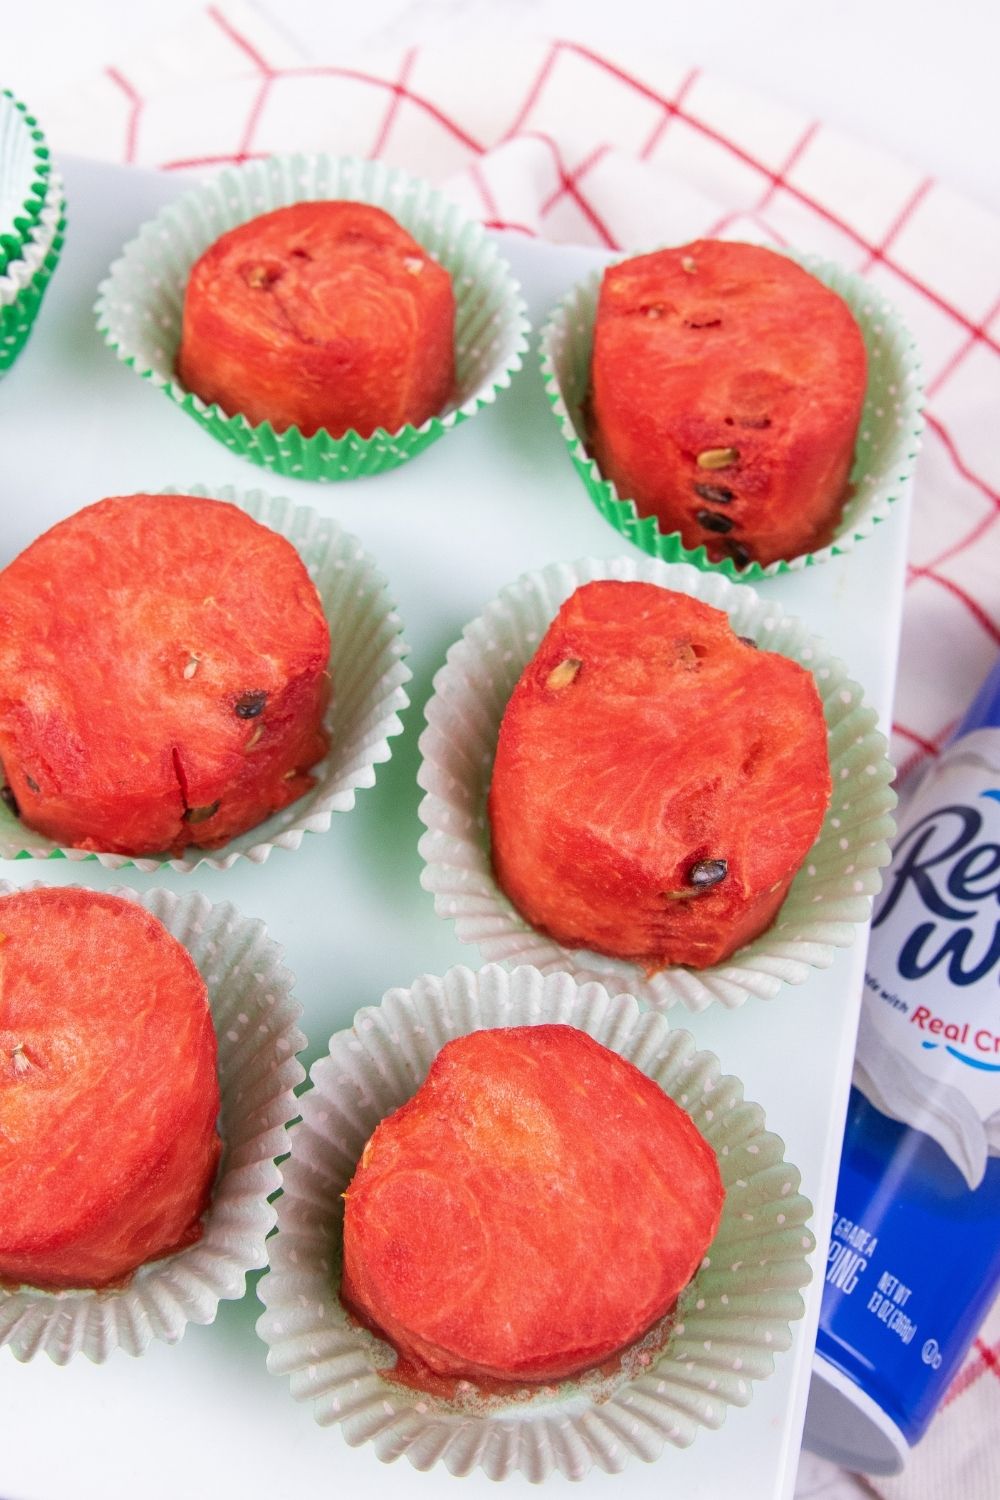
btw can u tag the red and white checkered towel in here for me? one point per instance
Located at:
(632, 151)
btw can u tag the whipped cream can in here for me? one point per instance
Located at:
(914, 1258)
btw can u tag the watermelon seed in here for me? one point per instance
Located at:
(19, 1059)
(9, 800)
(260, 277)
(201, 814)
(689, 264)
(32, 783)
(748, 640)
(712, 521)
(250, 705)
(718, 458)
(708, 872)
(562, 675)
(740, 554)
(191, 667)
(254, 738)
(719, 494)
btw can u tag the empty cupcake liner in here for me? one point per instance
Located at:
(140, 305)
(888, 437)
(366, 651)
(256, 1023)
(24, 177)
(23, 284)
(51, 223)
(727, 1326)
(829, 898)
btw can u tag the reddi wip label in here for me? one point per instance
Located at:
(914, 1258)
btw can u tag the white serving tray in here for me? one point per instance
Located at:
(489, 501)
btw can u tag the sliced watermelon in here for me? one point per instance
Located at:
(534, 1209)
(108, 1090)
(320, 315)
(727, 387)
(658, 781)
(162, 675)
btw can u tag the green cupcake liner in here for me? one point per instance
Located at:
(17, 317)
(140, 305)
(24, 174)
(888, 437)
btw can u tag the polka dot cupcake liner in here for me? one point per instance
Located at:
(723, 1334)
(368, 672)
(25, 169)
(888, 437)
(829, 898)
(140, 305)
(256, 1021)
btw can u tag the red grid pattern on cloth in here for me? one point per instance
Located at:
(778, 187)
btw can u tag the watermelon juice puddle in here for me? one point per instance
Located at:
(489, 1395)
(914, 1259)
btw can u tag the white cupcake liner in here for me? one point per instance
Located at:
(24, 175)
(830, 896)
(21, 271)
(729, 1322)
(256, 1023)
(366, 651)
(140, 305)
(888, 435)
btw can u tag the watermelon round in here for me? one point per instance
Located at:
(163, 675)
(726, 392)
(658, 780)
(534, 1209)
(320, 315)
(108, 1090)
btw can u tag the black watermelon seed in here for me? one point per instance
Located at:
(712, 521)
(748, 640)
(717, 493)
(9, 800)
(708, 872)
(250, 705)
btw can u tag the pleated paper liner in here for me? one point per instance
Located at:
(724, 1333)
(24, 285)
(255, 1020)
(366, 651)
(830, 896)
(24, 174)
(888, 438)
(140, 305)
(20, 272)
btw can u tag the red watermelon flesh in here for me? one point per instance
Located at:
(534, 1209)
(654, 798)
(162, 675)
(320, 315)
(727, 387)
(108, 1090)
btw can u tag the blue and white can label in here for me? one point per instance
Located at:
(914, 1259)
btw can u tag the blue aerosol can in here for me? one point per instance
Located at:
(914, 1259)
